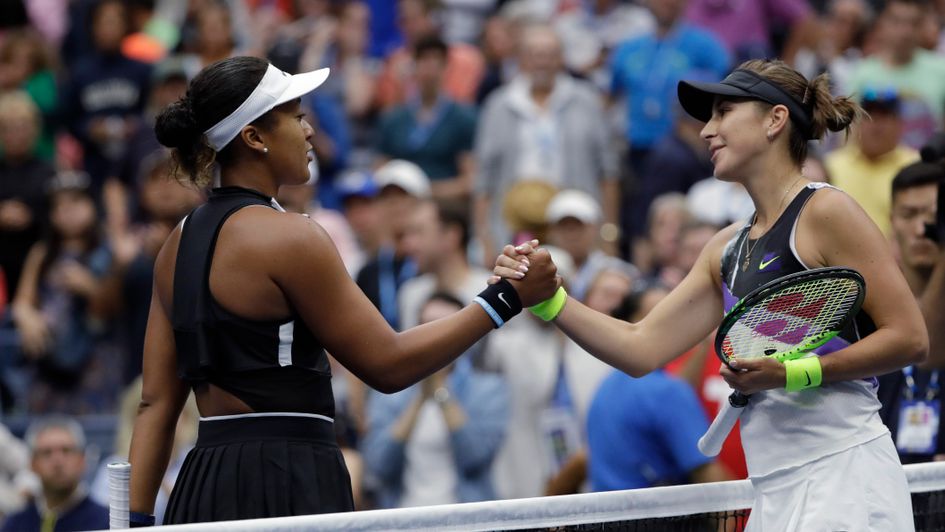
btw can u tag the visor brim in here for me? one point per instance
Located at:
(302, 84)
(697, 98)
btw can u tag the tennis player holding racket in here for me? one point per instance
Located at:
(818, 456)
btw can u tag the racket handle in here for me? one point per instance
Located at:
(119, 475)
(711, 442)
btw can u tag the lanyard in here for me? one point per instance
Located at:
(388, 282)
(422, 131)
(931, 390)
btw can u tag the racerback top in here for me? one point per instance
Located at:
(781, 429)
(272, 366)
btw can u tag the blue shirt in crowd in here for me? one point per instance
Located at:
(86, 515)
(646, 70)
(643, 432)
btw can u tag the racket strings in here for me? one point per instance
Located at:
(791, 317)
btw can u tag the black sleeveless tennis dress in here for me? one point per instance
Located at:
(282, 459)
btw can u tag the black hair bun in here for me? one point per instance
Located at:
(176, 126)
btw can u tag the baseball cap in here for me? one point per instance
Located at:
(880, 98)
(355, 183)
(573, 204)
(697, 97)
(405, 175)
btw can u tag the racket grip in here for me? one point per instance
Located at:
(119, 475)
(711, 442)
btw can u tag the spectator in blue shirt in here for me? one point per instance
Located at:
(645, 71)
(58, 459)
(431, 129)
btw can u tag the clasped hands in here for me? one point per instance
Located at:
(530, 270)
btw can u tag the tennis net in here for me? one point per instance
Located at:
(721, 506)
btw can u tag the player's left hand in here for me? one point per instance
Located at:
(754, 374)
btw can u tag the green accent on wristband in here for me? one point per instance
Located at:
(550, 308)
(803, 373)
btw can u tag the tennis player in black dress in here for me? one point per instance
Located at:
(247, 299)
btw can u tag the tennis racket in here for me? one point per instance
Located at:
(786, 319)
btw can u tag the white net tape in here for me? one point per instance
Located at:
(545, 512)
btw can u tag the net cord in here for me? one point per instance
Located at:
(544, 512)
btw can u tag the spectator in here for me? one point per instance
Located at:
(590, 31)
(609, 287)
(645, 73)
(126, 288)
(58, 298)
(747, 28)
(642, 432)
(103, 99)
(431, 130)
(909, 395)
(719, 202)
(542, 126)
(498, 47)
(667, 216)
(434, 442)
(168, 84)
(353, 83)
(676, 162)
(574, 220)
(918, 75)
(25, 63)
(866, 167)
(401, 184)
(357, 193)
(23, 180)
(839, 49)
(693, 236)
(464, 63)
(463, 19)
(57, 446)
(437, 238)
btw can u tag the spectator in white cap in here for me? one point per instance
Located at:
(574, 220)
(401, 185)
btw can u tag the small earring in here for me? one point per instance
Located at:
(266, 150)
(770, 135)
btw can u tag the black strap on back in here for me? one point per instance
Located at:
(192, 317)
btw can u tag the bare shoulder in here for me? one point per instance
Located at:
(831, 205)
(275, 232)
(833, 227)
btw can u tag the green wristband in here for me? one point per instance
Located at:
(551, 307)
(803, 373)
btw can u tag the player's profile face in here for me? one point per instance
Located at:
(735, 135)
(291, 146)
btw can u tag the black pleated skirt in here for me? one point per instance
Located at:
(254, 467)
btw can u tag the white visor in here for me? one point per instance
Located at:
(275, 88)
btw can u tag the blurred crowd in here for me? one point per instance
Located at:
(446, 129)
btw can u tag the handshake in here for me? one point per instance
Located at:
(530, 271)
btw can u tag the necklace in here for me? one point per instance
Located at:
(751, 246)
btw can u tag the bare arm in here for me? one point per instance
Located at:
(638, 348)
(162, 397)
(349, 326)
